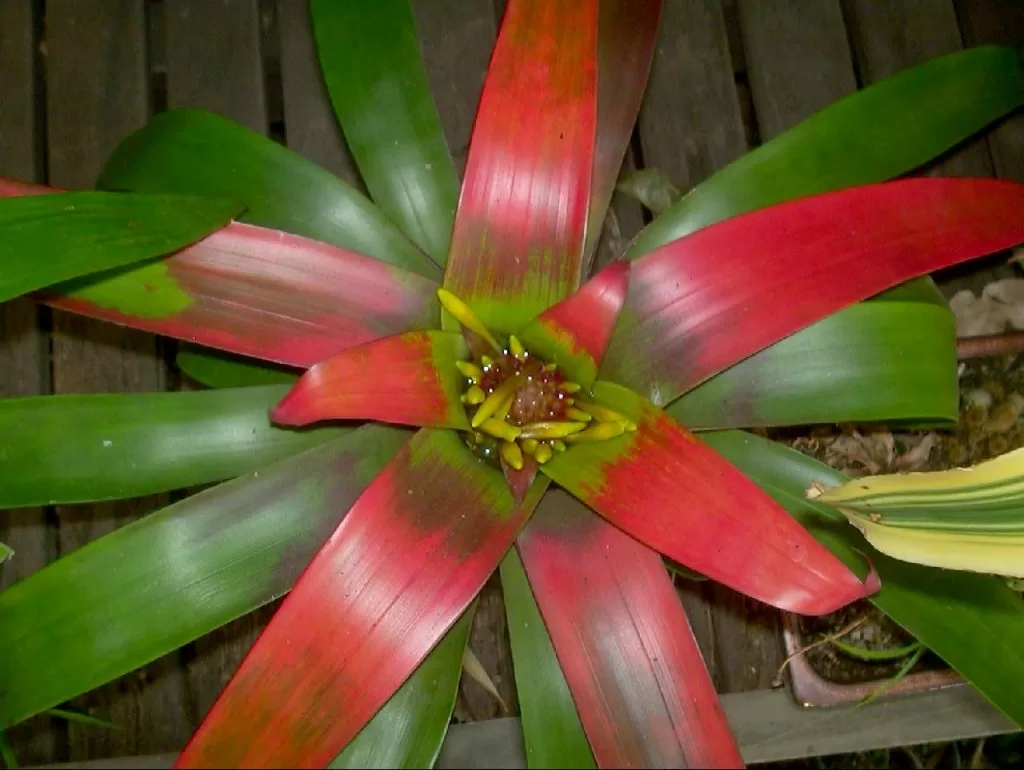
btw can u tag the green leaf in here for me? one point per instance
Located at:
(82, 448)
(52, 238)
(974, 622)
(189, 150)
(7, 754)
(6, 552)
(84, 719)
(168, 578)
(877, 133)
(370, 58)
(409, 729)
(224, 370)
(551, 725)
(874, 656)
(872, 361)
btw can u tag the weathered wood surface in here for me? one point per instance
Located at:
(77, 76)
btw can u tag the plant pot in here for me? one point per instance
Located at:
(822, 676)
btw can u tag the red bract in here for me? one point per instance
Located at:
(517, 371)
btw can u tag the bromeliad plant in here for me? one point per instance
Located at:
(482, 403)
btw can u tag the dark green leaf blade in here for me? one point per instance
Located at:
(873, 361)
(551, 725)
(216, 369)
(409, 729)
(83, 448)
(52, 238)
(168, 578)
(370, 58)
(877, 133)
(974, 622)
(192, 151)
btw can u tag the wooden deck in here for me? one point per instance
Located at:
(76, 76)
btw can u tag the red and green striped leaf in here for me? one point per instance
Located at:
(388, 116)
(408, 379)
(409, 729)
(47, 239)
(874, 361)
(257, 292)
(168, 578)
(707, 301)
(623, 640)
(574, 333)
(82, 448)
(668, 490)
(191, 151)
(517, 243)
(410, 556)
(627, 33)
(261, 293)
(552, 732)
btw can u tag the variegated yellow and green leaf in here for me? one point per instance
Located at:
(964, 518)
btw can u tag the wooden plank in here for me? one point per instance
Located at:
(690, 123)
(690, 126)
(999, 22)
(798, 59)
(97, 93)
(769, 727)
(456, 39)
(797, 62)
(310, 126)
(214, 63)
(213, 59)
(24, 347)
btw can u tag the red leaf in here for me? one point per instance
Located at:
(408, 379)
(575, 332)
(258, 292)
(520, 481)
(624, 643)
(411, 554)
(671, 491)
(708, 300)
(517, 242)
(628, 31)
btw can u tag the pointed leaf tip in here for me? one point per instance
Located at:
(574, 333)
(407, 379)
(671, 492)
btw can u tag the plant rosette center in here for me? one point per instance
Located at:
(520, 405)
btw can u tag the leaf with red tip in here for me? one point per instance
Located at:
(574, 333)
(517, 243)
(411, 554)
(519, 481)
(627, 33)
(670, 491)
(257, 292)
(408, 379)
(624, 643)
(707, 301)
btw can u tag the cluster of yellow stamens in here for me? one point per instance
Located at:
(520, 406)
